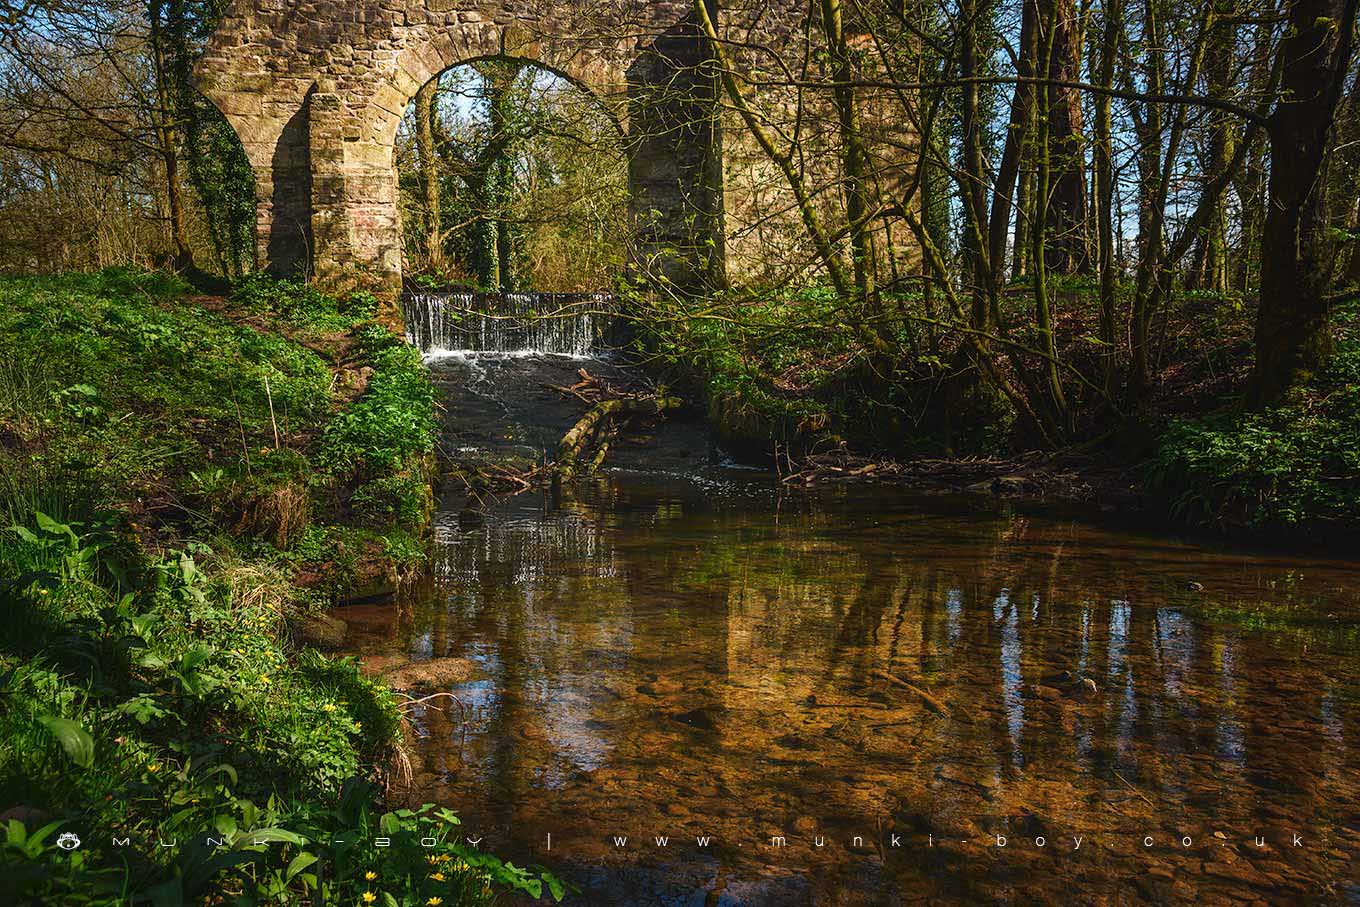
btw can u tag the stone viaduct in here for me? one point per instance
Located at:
(316, 89)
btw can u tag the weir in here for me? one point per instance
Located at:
(564, 324)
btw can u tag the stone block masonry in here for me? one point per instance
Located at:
(317, 89)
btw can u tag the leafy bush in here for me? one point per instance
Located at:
(391, 423)
(303, 304)
(1295, 466)
(148, 686)
(124, 389)
(402, 498)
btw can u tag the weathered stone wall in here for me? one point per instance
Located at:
(316, 90)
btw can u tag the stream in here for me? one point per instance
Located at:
(679, 683)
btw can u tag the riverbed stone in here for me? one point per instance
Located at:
(322, 631)
(431, 674)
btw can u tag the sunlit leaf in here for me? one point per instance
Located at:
(74, 739)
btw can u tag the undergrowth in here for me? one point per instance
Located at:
(175, 488)
(1292, 468)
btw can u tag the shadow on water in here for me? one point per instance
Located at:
(856, 696)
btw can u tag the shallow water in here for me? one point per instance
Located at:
(681, 650)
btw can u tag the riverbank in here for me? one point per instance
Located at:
(788, 384)
(188, 484)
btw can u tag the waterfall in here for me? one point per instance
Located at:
(566, 324)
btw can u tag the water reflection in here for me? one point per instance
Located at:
(653, 661)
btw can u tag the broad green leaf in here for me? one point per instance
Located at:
(246, 838)
(25, 533)
(298, 863)
(188, 569)
(74, 739)
(52, 527)
(34, 843)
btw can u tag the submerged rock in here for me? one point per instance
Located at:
(322, 631)
(436, 673)
(699, 718)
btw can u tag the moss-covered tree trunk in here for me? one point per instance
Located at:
(429, 175)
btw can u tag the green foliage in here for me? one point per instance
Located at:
(392, 422)
(402, 498)
(148, 684)
(521, 206)
(109, 690)
(1295, 466)
(792, 367)
(125, 383)
(113, 379)
(303, 305)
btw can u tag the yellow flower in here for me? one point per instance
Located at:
(432, 859)
(328, 707)
(370, 876)
(153, 767)
(437, 876)
(264, 679)
(435, 901)
(369, 897)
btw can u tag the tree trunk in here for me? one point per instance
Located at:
(167, 138)
(1009, 168)
(1209, 271)
(852, 149)
(1041, 146)
(1104, 193)
(429, 176)
(1352, 277)
(1293, 322)
(1023, 193)
(976, 258)
(499, 85)
(1066, 213)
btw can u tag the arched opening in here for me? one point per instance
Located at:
(512, 177)
(224, 187)
(322, 142)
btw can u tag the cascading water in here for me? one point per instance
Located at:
(566, 324)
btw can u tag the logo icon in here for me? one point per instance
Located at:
(68, 841)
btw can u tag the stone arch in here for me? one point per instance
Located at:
(316, 93)
(594, 73)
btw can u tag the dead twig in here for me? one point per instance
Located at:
(929, 701)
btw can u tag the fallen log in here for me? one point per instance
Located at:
(583, 435)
